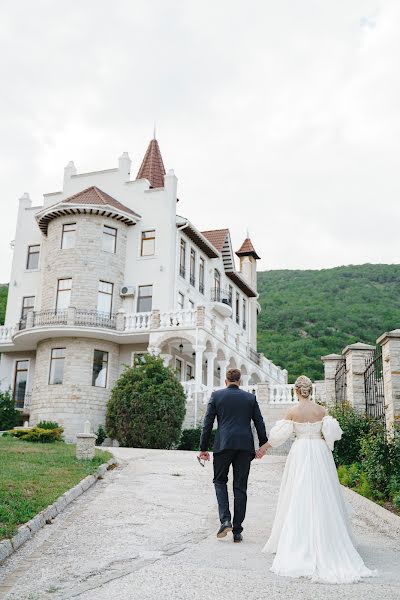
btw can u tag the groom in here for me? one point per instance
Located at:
(235, 409)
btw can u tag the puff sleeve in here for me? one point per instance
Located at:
(280, 432)
(331, 431)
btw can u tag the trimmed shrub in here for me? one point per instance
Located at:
(190, 439)
(37, 434)
(355, 427)
(377, 464)
(147, 406)
(101, 435)
(9, 415)
(48, 425)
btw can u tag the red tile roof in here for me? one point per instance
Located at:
(93, 195)
(247, 249)
(216, 237)
(152, 167)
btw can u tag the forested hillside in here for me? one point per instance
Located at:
(306, 314)
(3, 302)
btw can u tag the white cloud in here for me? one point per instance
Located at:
(278, 116)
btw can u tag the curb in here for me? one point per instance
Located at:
(380, 513)
(26, 531)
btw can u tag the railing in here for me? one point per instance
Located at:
(137, 321)
(286, 394)
(341, 383)
(93, 318)
(374, 388)
(220, 295)
(254, 356)
(191, 389)
(178, 318)
(6, 334)
(49, 317)
(22, 400)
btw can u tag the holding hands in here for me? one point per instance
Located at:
(262, 451)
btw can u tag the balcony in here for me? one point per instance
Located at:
(221, 301)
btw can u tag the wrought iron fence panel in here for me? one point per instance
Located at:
(341, 383)
(374, 387)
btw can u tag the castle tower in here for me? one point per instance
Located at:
(152, 167)
(248, 268)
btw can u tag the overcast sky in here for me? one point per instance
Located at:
(280, 116)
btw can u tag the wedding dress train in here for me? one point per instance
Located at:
(311, 532)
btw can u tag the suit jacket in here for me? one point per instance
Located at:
(235, 409)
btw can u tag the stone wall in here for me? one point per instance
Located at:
(86, 263)
(76, 400)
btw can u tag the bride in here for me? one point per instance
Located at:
(311, 534)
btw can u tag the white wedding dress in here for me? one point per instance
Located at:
(311, 533)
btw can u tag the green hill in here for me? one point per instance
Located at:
(306, 314)
(3, 302)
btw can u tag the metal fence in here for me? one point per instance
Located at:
(341, 383)
(374, 388)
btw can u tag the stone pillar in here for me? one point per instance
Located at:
(355, 356)
(223, 364)
(330, 362)
(198, 375)
(120, 321)
(390, 342)
(85, 446)
(71, 316)
(200, 316)
(166, 359)
(245, 380)
(155, 319)
(210, 356)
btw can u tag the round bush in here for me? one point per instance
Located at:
(147, 406)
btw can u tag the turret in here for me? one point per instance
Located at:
(248, 265)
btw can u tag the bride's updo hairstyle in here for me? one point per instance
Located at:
(303, 385)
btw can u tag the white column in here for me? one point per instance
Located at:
(210, 356)
(222, 365)
(198, 375)
(245, 380)
(166, 359)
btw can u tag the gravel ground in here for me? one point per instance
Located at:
(147, 531)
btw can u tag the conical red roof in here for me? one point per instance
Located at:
(247, 249)
(152, 167)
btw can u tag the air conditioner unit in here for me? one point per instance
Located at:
(127, 290)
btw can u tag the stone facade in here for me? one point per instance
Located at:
(76, 400)
(390, 343)
(86, 264)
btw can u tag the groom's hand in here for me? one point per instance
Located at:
(261, 452)
(204, 456)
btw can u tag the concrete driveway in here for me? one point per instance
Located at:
(147, 532)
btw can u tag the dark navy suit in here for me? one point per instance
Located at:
(235, 410)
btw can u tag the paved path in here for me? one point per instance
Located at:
(147, 532)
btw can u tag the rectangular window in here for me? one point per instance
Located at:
(181, 300)
(28, 304)
(182, 259)
(178, 368)
(100, 368)
(57, 361)
(145, 298)
(201, 275)
(104, 297)
(32, 261)
(109, 239)
(148, 243)
(191, 304)
(137, 358)
(189, 372)
(237, 307)
(244, 306)
(64, 287)
(20, 381)
(192, 273)
(230, 295)
(68, 236)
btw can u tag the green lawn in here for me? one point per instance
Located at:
(32, 476)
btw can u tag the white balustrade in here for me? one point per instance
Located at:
(285, 394)
(191, 390)
(137, 321)
(178, 318)
(6, 334)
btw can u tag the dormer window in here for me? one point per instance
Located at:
(109, 239)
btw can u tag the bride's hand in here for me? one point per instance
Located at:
(261, 452)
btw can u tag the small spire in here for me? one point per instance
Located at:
(154, 131)
(247, 248)
(152, 167)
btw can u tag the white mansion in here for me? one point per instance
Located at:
(104, 271)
